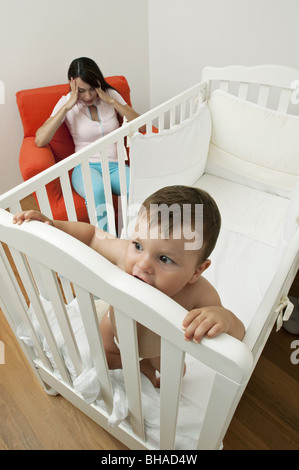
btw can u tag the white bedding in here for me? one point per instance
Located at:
(196, 383)
(249, 245)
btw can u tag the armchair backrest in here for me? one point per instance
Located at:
(36, 105)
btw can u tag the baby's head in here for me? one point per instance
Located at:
(176, 230)
(175, 212)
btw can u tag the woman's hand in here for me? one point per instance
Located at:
(104, 96)
(74, 95)
(123, 110)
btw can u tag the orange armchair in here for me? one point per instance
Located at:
(35, 106)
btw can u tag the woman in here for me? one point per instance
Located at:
(90, 111)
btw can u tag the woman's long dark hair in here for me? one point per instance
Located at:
(89, 72)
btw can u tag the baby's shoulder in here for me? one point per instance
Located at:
(198, 294)
(205, 293)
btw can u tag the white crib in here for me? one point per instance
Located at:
(201, 141)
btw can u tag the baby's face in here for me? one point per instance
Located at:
(162, 263)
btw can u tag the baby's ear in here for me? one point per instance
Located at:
(199, 270)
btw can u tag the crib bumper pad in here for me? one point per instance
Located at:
(253, 145)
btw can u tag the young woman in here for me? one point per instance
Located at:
(90, 111)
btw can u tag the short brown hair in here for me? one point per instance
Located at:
(187, 195)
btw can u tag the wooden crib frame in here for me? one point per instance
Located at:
(40, 251)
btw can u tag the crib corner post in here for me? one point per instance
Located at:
(223, 401)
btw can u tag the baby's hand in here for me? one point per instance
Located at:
(206, 321)
(26, 216)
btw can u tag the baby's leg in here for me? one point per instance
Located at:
(111, 350)
(149, 367)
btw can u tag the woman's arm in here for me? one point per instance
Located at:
(46, 132)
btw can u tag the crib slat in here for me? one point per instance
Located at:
(89, 192)
(243, 90)
(62, 316)
(216, 418)
(127, 335)
(161, 123)
(224, 85)
(97, 351)
(122, 156)
(149, 127)
(34, 297)
(284, 100)
(68, 197)
(108, 193)
(15, 208)
(172, 365)
(43, 202)
(172, 117)
(263, 95)
(67, 289)
(72, 215)
(182, 112)
(14, 301)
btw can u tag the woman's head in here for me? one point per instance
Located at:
(88, 71)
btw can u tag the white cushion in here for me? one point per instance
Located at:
(253, 145)
(175, 156)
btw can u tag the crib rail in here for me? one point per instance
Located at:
(267, 85)
(53, 252)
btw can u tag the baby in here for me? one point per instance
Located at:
(175, 233)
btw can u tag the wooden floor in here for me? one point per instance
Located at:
(267, 416)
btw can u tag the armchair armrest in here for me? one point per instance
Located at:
(33, 160)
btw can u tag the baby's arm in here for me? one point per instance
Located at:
(107, 245)
(80, 230)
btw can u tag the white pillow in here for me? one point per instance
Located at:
(175, 156)
(253, 145)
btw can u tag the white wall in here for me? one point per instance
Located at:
(185, 36)
(39, 39)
